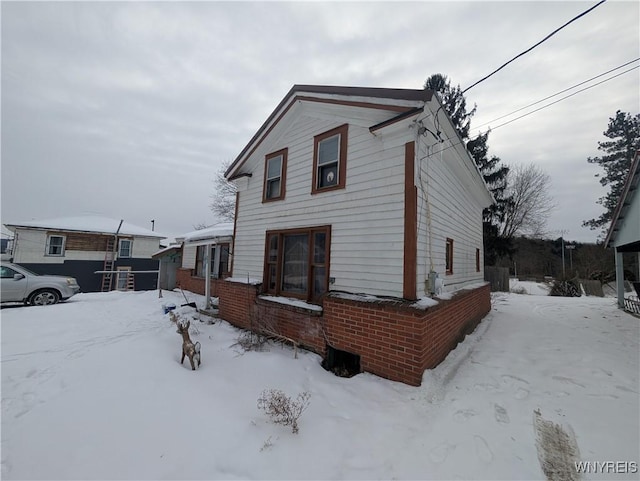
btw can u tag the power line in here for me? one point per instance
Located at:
(566, 97)
(437, 120)
(454, 144)
(534, 46)
(561, 92)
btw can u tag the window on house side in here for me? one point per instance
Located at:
(274, 176)
(449, 257)
(55, 245)
(219, 264)
(124, 249)
(296, 262)
(477, 260)
(330, 160)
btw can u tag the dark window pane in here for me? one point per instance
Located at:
(273, 188)
(273, 248)
(319, 253)
(319, 281)
(224, 259)
(328, 175)
(271, 282)
(328, 150)
(295, 263)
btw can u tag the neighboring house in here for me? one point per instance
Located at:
(211, 246)
(80, 246)
(366, 191)
(624, 232)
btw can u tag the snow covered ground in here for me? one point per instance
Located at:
(93, 389)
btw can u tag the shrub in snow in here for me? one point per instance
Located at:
(565, 288)
(282, 409)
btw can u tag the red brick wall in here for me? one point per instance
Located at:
(236, 302)
(393, 339)
(399, 342)
(190, 283)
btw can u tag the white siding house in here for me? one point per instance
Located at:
(359, 190)
(78, 246)
(624, 232)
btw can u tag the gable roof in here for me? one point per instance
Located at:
(88, 224)
(399, 101)
(628, 192)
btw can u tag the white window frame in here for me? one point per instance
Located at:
(49, 246)
(120, 242)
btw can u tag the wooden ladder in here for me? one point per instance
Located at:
(130, 284)
(109, 260)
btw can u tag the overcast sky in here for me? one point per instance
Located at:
(128, 109)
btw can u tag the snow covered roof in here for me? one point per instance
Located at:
(87, 223)
(170, 249)
(223, 229)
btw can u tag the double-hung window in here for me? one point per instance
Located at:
(297, 262)
(275, 171)
(55, 245)
(330, 160)
(449, 256)
(124, 248)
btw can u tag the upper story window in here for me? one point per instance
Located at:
(55, 245)
(330, 160)
(124, 248)
(449, 257)
(275, 170)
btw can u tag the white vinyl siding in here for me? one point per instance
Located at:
(367, 216)
(455, 214)
(366, 248)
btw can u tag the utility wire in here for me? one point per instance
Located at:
(437, 120)
(454, 144)
(566, 97)
(534, 46)
(561, 92)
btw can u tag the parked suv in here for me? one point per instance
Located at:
(21, 285)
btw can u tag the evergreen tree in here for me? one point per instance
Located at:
(624, 132)
(453, 102)
(494, 173)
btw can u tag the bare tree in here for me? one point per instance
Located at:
(223, 199)
(529, 203)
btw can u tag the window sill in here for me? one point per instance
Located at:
(297, 304)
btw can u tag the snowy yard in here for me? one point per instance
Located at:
(93, 389)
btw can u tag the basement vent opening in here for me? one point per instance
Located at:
(341, 363)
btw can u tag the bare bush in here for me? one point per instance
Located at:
(565, 288)
(282, 409)
(251, 341)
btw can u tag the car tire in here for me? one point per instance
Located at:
(44, 297)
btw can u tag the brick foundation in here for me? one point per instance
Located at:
(190, 283)
(393, 339)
